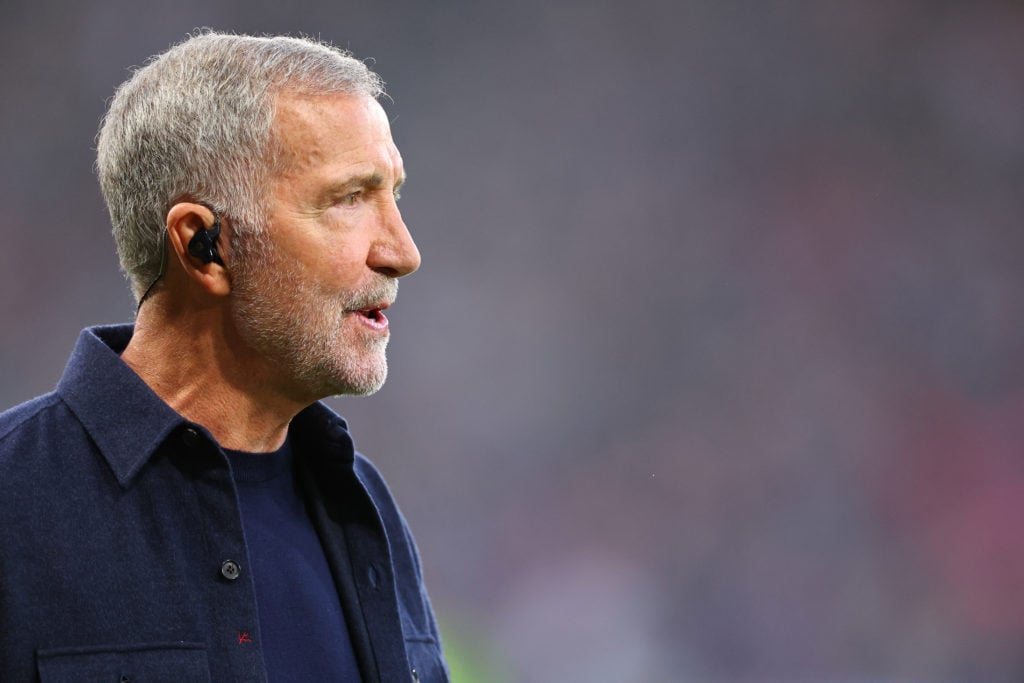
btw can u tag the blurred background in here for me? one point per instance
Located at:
(714, 369)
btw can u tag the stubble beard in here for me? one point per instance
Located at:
(308, 336)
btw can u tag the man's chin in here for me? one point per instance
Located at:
(367, 389)
(363, 382)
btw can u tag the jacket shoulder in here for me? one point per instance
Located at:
(37, 440)
(16, 421)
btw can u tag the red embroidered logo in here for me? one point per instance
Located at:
(243, 637)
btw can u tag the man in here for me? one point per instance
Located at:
(182, 508)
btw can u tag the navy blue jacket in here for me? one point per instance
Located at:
(122, 556)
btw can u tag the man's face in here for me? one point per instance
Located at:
(309, 292)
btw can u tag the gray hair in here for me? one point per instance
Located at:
(195, 123)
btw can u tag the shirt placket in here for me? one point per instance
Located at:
(228, 583)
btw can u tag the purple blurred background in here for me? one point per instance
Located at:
(714, 370)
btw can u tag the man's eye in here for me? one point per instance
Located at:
(350, 199)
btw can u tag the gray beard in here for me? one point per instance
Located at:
(301, 330)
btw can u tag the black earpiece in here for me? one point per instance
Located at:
(203, 244)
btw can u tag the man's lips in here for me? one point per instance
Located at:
(370, 302)
(373, 315)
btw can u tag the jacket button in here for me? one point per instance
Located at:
(190, 437)
(415, 676)
(230, 570)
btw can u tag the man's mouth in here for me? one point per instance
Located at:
(374, 316)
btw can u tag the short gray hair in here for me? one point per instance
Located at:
(195, 123)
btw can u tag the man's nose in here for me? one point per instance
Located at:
(394, 253)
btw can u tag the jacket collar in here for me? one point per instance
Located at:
(128, 421)
(125, 418)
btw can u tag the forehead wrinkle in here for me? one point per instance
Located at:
(298, 131)
(305, 132)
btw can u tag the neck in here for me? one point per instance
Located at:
(199, 366)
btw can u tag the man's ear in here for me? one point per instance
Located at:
(192, 230)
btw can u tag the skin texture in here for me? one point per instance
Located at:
(242, 348)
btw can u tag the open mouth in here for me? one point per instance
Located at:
(374, 316)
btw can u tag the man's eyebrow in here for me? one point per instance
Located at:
(373, 180)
